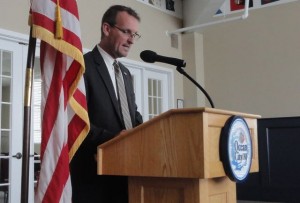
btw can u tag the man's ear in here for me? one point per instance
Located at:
(106, 28)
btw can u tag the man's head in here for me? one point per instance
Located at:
(119, 30)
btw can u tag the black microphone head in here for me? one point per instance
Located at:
(148, 56)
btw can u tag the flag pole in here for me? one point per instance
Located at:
(27, 117)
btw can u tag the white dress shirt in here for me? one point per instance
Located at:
(109, 64)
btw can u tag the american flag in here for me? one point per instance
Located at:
(64, 116)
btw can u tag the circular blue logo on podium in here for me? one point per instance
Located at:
(236, 148)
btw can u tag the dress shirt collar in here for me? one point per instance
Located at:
(107, 58)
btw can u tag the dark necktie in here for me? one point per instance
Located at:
(122, 96)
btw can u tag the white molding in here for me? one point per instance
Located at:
(13, 36)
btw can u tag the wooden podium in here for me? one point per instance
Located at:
(174, 157)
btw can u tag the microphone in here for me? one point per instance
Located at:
(151, 57)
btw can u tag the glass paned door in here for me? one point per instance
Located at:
(11, 82)
(156, 94)
(5, 81)
(154, 97)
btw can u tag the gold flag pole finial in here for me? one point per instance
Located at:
(59, 29)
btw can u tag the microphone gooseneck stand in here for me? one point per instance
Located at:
(180, 70)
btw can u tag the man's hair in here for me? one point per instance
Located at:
(111, 14)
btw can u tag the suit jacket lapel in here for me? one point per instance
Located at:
(103, 72)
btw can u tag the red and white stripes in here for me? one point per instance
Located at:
(64, 112)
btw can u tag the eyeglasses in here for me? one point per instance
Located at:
(128, 33)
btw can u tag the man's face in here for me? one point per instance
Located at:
(118, 38)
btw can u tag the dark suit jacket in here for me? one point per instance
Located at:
(106, 122)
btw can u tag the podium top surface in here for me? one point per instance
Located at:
(181, 111)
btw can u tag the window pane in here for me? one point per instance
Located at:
(149, 87)
(159, 105)
(4, 164)
(6, 63)
(5, 116)
(155, 106)
(154, 87)
(4, 140)
(150, 105)
(159, 88)
(6, 89)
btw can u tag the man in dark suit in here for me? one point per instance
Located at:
(118, 33)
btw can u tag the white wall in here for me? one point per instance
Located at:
(253, 65)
